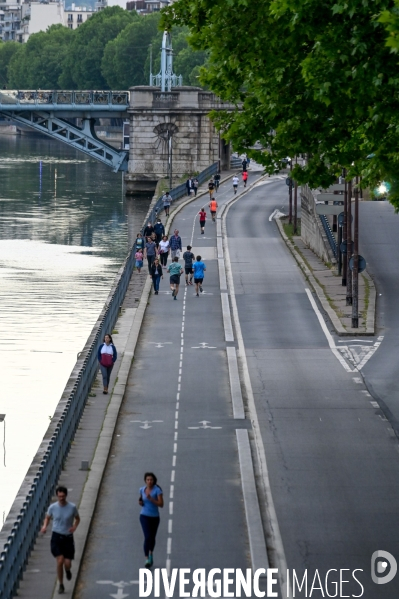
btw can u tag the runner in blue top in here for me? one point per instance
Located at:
(151, 498)
(199, 268)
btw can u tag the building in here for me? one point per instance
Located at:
(76, 15)
(19, 20)
(146, 6)
(10, 21)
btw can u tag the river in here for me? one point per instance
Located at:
(65, 227)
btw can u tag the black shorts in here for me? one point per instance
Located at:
(62, 545)
(199, 281)
(235, 184)
(213, 212)
(202, 223)
(175, 279)
(188, 271)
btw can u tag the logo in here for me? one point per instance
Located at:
(383, 567)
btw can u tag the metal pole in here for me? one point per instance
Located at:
(290, 196)
(339, 249)
(355, 271)
(150, 64)
(349, 247)
(170, 159)
(344, 228)
(295, 208)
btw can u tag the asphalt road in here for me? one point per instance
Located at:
(333, 460)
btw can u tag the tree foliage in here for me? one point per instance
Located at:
(7, 51)
(312, 77)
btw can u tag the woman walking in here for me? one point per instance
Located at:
(163, 250)
(156, 273)
(151, 498)
(196, 184)
(107, 356)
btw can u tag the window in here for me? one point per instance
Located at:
(70, 25)
(70, 18)
(80, 18)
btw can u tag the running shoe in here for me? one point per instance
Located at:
(201, 289)
(147, 563)
(173, 293)
(151, 559)
(175, 298)
(68, 574)
(197, 294)
(61, 589)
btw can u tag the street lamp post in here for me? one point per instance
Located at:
(290, 196)
(344, 232)
(355, 271)
(349, 246)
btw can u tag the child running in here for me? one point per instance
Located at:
(202, 219)
(199, 268)
(139, 260)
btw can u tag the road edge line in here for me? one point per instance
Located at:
(257, 542)
(235, 385)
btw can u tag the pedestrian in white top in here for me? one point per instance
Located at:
(235, 183)
(163, 250)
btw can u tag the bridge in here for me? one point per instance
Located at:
(54, 112)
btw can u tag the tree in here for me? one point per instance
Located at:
(311, 77)
(39, 63)
(83, 66)
(7, 51)
(124, 60)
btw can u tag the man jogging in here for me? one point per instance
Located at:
(65, 521)
(166, 200)
(202, 220)
(175, 245)
(213, 206)
(188, 258)
(235, 184)
(175, 271)
(211, 187)
(199, 268)
(217, 181)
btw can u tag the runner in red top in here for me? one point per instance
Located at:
(202, 219)
(245, 177)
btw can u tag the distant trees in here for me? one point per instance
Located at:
(111, 50)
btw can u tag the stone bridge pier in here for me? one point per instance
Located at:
(177, 118)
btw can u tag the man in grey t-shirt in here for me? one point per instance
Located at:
(66, 519)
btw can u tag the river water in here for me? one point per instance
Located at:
(65, 226)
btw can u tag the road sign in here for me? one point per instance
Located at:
(289, 181)
(343, 246)
(341, 219)
(328, 209)
(362, 263)
(329, 197)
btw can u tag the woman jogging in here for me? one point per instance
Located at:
(156, 274)
(202, 220)
(175, 271)
(235, 184)
(244, 178)
(107, 355)
(151, 498)
(163, 250)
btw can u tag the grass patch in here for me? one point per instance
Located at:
(289, 229)
(366, 297)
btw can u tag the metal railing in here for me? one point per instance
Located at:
(330, 234)
(27, 512)
(61, 97)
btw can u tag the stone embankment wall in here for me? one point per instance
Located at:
(312, 231)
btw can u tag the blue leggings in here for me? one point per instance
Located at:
(149, 524)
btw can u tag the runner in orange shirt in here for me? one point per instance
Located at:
(213, 206)
(245, 177)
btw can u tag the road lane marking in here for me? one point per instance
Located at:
(327, 333)
(257, 543)
(235, 385)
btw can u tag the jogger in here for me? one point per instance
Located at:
(151, 498)
(175, 270)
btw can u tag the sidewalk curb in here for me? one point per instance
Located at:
(337, 324)
(94, 479)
